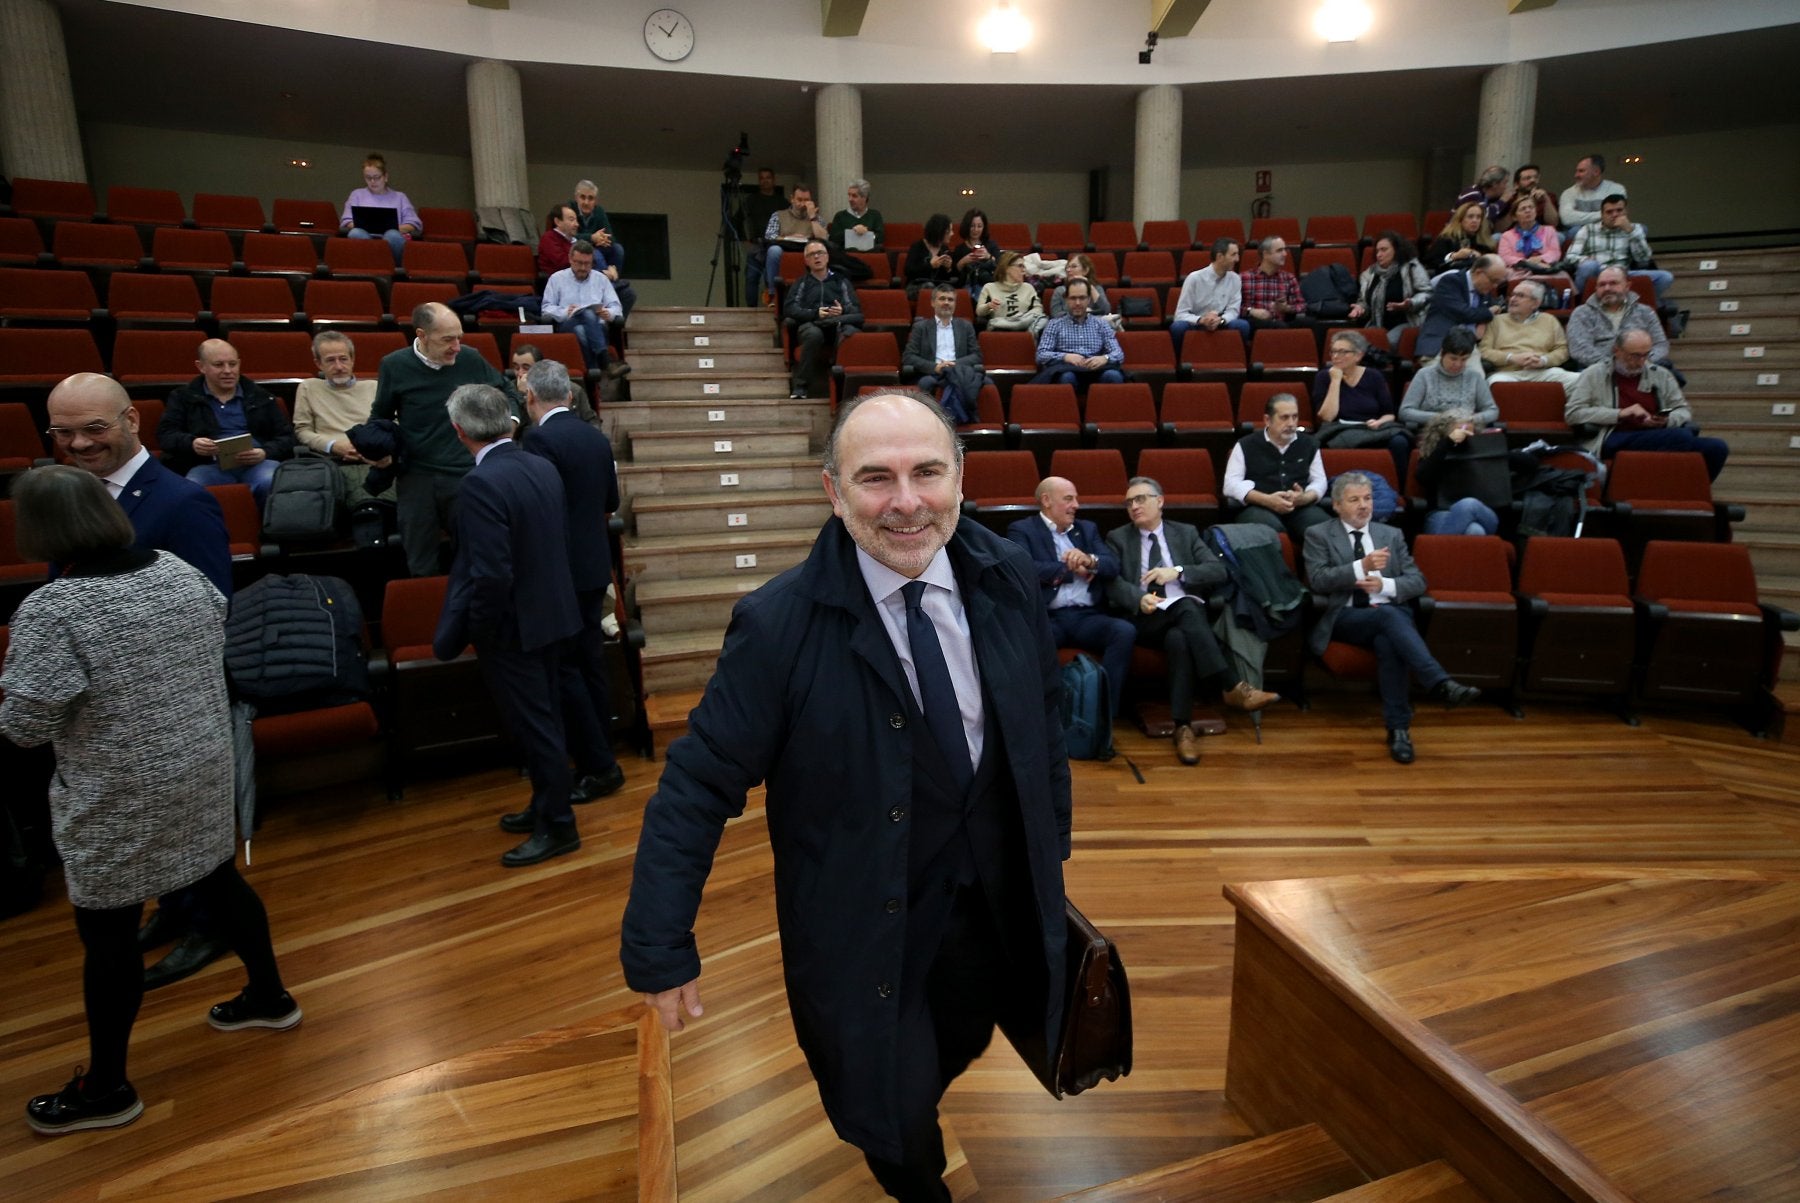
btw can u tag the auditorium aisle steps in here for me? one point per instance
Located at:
(1741, 356)
(719, 473)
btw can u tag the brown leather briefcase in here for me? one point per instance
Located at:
(1095, 1045)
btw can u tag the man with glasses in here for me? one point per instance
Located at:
(1165, 572)
(411, 388)
(94, 425)
(821, 308)
(1632, 404)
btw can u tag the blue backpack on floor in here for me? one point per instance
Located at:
(1087, 710)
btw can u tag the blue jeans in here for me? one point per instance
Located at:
(1587, 269)
(394, 238)
(1178, 331)
(1062, 373)
(1400, 651)
(590, 332)
(1671, 438)
(258, 476)
(1466, 517)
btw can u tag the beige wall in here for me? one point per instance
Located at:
(1678, 189)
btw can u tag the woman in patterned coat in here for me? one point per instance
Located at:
(119, 664)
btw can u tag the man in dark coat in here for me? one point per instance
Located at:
(942, 350)
(1462, 298)
(217, 404)
(583, 458)
(899, 694)
(93, 420)
(822, 311)
(511, 595)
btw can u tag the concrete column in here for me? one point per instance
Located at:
(39, 136)
(1508, 107)
(497, 135)
(838, 130)
(1156, 171)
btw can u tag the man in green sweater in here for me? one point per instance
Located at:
(411, 388)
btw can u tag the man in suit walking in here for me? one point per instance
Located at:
(512, 596)
(1165, 572)
(1074, 566)
(942, 350)
(1462, 298)
(94, 422)
(1363, 573)
(583, 458)
(899, 694)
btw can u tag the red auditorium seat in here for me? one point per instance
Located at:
(1209, 230)
(32, 296)
(198, 252)
(1047, 418)
(988, 431)
(1331, 230)
(864, 358)
(1119, 237)
(1060, 239)
(163, 358)
(145, 206)
(1532, 410)
(1009, 356)
(496, 264)
(1705, 637)
(408, 295)
(1404, 224)
(150, 412)
(15, 569)
(1189, 482)
(489, 348)
(222, 211)
(900, 235)
(139, 299)
(1293, 354)
(1099, 476)
(1469, 617)
(1148, 269)
(1198, 414)
(1579, 630)
(1665, 495)
(1007, 235)
(1149, 358)
(353, 303)
(276, 356)
(1001, 486)
(44, 357)
(112, 248)
(59, 200)
(565, 348)
(305, 216)
(20, 243)
(239, 301)
(1171, 236)
(448, 225)
(359, 258)
(372, 345)
(1285, 228)
(1123, 417)
(21, 445)
(1214, 355)
(288, 255)
(243, 520)
(888, 310)
(437, 706)
(1149, 321)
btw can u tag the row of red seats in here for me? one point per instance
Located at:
(1062, 238)
(110, 248)
(38, 359)
(57, 200)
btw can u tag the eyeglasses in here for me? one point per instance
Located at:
(1343, 350)
(93, 430)
(1140, 499)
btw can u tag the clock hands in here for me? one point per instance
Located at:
(669, 32)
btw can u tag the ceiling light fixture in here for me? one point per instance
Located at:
(1004, 30)
(1342, 20)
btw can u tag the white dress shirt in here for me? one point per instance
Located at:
(1075, 591)
(1389, 587)
(1172, 592)
(942, 603)
(115, 483)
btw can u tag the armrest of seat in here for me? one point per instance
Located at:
(1780, 617)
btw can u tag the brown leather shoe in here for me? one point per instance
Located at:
(1187, 744)
(1243, 697)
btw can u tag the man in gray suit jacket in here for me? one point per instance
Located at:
(1363, 574)
(942, 350)
(1165, 572)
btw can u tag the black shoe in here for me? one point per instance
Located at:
(1400, 745)
(69, 1110)
(559, 839)
(1453, 693)
(519, 822)
(234, 1015)
(192, 953)
(163, 928)
(796, 394)
(596, 785)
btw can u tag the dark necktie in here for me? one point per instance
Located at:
(1358, 598)
(937, 695)
(1155, 560)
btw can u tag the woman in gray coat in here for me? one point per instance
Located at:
(119, 664)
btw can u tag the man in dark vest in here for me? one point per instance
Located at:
(1277, 474)
(899, 694)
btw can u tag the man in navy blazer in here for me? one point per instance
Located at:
(583, 458)
(1073, 567)
(512, 596)
(1462, 298)
(94, 423)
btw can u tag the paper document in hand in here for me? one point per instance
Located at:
(230, 449)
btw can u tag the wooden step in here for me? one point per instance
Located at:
(1700, 286)
(723, 447)
(1741, 307)
(698, 320)
(680, 661)
(1433, 1182)
(1724, 263)
(1742, 407)
(1779, 590)
(621, 418)
(688, 338)
(692, 514)
(702, 386)
(680, 557)
(648, 364)
(695, 604)
(1777, 384)
(668, 713)
(1774, 476)
(1774, 555)
(1692, 353)
(1758, 438)
(1764, 513)
(654, 479)
(1744, 327)
(1299, 1164)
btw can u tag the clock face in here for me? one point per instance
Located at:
(669, 35)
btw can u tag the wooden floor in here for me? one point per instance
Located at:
(409, 948)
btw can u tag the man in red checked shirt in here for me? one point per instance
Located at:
(1272, 299)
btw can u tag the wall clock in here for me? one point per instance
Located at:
(669, 35)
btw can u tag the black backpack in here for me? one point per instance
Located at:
(305, 503)
(1329, 291)
(1553, 502)
(295, 643)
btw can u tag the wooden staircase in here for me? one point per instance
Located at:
(719, 472)
(1741, 356)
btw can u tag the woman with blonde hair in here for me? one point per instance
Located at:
(1464, 238)
(1007, 302)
